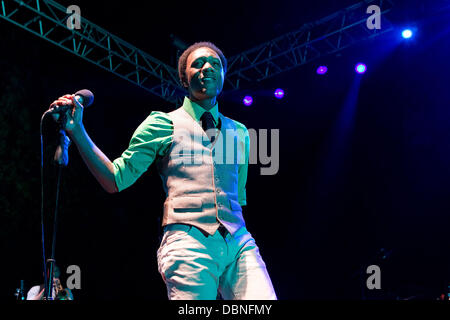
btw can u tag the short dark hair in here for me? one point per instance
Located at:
(182, 61)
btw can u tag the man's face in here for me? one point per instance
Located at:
(204, 73)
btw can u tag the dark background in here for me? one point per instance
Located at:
(364, 160)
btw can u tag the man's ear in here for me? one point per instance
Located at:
(184, 84)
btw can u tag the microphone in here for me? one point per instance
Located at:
(85, 97)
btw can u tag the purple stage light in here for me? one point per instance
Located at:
(247, 100)
(360, 68)
(279, 93)
(322, 70)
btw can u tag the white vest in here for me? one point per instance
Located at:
(201, 179)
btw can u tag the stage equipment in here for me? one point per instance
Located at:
(342, 29)
(61, 159)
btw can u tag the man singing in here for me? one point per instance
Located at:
(202, 157)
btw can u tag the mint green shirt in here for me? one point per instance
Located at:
(153, 139)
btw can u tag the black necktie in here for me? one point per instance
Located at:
(207, 124)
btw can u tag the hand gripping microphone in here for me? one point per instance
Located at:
(85, 98)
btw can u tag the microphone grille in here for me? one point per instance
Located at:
(87, 95)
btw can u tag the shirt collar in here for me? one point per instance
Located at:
(196, 111)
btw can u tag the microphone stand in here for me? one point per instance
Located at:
(61, 159)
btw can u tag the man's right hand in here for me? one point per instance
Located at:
(74, 116)
(100, 166)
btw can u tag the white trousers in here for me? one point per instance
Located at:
(196, 266)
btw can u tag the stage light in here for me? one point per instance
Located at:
(407, 33)
(360, 68)
(322, 70)
(248, 100)
(279, 93)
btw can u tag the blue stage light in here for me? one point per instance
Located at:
(360, 68)
(248, 100)
(279, 93)
(407, 33)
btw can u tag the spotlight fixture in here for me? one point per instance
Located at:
(322, 70)
(407, 33)
(248, 100)
(279, 93)
(360, 68)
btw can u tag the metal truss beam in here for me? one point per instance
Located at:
(340, 30)
(48, 20)
(323, 37)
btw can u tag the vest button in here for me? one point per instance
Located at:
(217, 179)
(218, 190)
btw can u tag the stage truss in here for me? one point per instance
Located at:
(48, 20)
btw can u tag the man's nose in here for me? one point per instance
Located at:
(208, 66)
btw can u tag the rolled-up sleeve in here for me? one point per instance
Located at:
(152, 138)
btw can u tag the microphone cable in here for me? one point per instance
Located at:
(44, 265)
